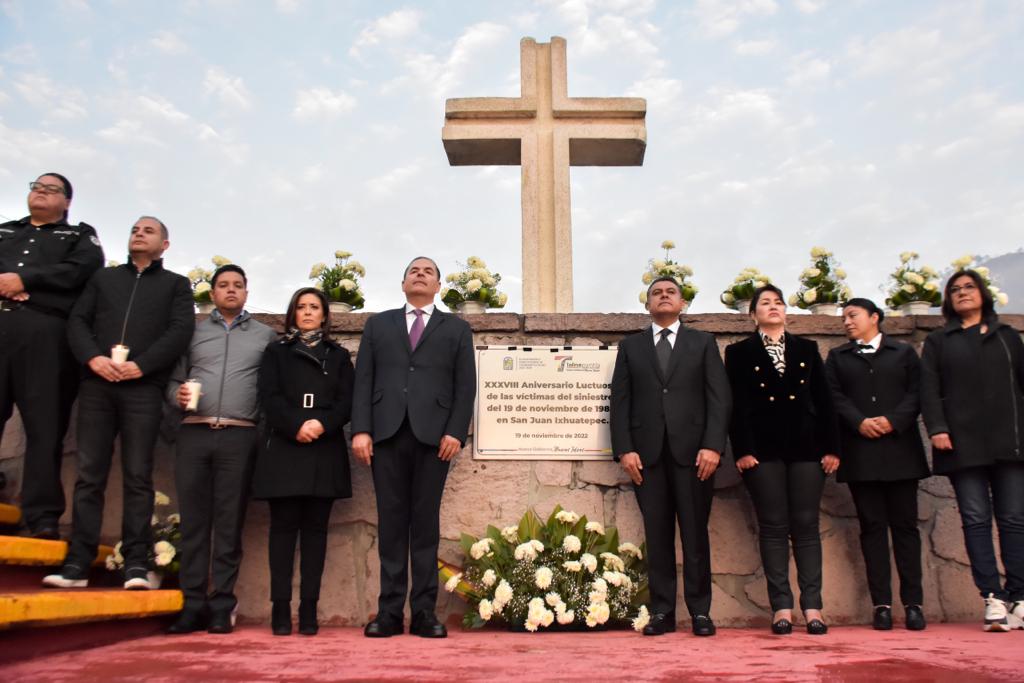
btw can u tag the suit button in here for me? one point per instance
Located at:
(871, 371)
(762, 385)
(404, 390)
(803, 365)
(411, 369)
(26, 251)
(801, 381)
(664, 391)
(872, 399)
(792, 397)
(771, 398)
(757, 368)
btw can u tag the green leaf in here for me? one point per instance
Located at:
(530, 526)
(466, 541)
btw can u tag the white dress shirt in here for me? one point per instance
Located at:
(874, 344)
(410, 317)
(673, 328)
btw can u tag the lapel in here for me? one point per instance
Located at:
(647, 349)
(398, 319)
(789, 355)
(436, 319)
(761, 357)
(677, 352)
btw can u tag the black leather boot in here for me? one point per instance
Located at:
(307, 618)
(281, 618)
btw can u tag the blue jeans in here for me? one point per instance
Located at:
(980, 491)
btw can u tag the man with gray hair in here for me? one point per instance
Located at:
(128, 329)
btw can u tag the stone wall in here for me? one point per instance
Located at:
(485, 492)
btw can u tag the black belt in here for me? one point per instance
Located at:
(9, 305)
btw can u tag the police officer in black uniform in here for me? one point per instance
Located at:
(44, 264)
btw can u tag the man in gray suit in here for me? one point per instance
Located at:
(414, 389)
(670, 404)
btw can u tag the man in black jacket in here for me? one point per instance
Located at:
(670, 404)
(147, 309)
(44, 264)
(414, 390)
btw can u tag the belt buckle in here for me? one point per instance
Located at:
(307, 400)
(8, 305)
(218, 425)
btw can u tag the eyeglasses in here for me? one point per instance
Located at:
(965, 288)
(36, 186)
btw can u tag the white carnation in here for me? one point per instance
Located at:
(571, 544)
(566, 617)
(614, 561)
(630, 549)
(503, 593)
(572, 566)
(642, 619)
(481, 548)
(489, 578)
(510, 534)
(474, 285)
(810, 295)
(595, 528)
(452, 583)
(567, 517)
(486, 609)
(589, 561)
(542, 578)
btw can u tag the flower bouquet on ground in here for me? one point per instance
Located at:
(969, 262)
(823, 285)
(566, 571)
(473, 289)
(913, 289)
(200, 279)
(340, 282)
(737, 296)
(163, 556)
(666, 267)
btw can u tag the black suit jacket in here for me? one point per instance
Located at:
(690, 403)
(885, 383)
(780, 417)
(434, 385)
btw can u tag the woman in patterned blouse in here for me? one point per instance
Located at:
(784, 441)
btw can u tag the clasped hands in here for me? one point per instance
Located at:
(114, 372)
(875, 427)
(11, 287)
(362, 447)
(706, 462)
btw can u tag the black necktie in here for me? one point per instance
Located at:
(865, 348)
(664, 350)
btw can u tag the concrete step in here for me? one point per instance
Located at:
(20, 550)
(60, 607)
(9, 514)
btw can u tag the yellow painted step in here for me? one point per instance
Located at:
(9, 514)
(55, 607)
(38, 552)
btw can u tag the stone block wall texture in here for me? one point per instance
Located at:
(479, 493)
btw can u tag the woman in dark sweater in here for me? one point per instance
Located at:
(972, 400)
(783, 435)
(305, 386)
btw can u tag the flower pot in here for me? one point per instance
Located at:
(205, 308)
(916, 308)
(471, 307)
(340, 307)
(742, 306)
(824, 309)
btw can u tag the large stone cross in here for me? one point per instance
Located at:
(545, 131)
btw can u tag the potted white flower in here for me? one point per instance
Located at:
(473, 289)
(163, 554)
(822, 286)
(969, 262)
(340, 282)
(200, 278)
(737, 296)
(913, 289)
(666, 267)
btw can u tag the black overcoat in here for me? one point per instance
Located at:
(786, 417)
(885, 383)
(298, 384)
(974, 394)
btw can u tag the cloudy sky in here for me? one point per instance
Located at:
(276, 132)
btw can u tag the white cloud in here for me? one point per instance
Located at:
(441, 77)
(287, 6)
(661, 93)
(395, 26)
(953, 148)
(230, 90)
(161, 108)
(385, 185)
(754, 48)
(719, 18)
(321, 102)
(129, 131)
(58, 101)
(168, 43)
(809, 6)
(808, 69)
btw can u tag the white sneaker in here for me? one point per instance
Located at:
(995, 615)
(1016, 615)
(137, 579)
(69, 577)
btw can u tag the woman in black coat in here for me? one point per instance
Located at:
(305, 386)
(972, 400)
(875, 384)
(783, 437)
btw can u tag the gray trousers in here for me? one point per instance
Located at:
(213, 474)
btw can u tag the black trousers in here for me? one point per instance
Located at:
(672, 493)
(40, 376)
(408, 479)
(305, 517)
(885, 507)
(105, 410)
(786, 498)
(212, 472)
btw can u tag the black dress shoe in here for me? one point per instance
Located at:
(816, 627)
(660, 624)
(703, 626)
(189, 621)
(220, 622)
(281, 618)
(882, 620)
(782, 627)
(915, 618)
(308, 625)
(383, 627)
(45, 532)
(426, 625)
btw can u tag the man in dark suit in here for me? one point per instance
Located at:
(670, 404)
(414, 390)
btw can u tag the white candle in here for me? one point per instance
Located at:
(194, 387)
(119, 353)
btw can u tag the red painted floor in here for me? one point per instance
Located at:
(945, 652)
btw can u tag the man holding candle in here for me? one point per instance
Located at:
(216, 447)
(128, 328)
(44, 264)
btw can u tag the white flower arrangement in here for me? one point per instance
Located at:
(473, 283)
(565, 571)
(743, 287)
(200, 278)
(666, 267)
(910, 282)
(824, 282)
(340, 282)
(163, 554)
(970, 262)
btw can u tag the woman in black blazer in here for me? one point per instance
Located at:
(875, 383)
(972, 400)
(305, 386)
(784, 441)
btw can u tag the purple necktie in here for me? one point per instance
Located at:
(416, 331)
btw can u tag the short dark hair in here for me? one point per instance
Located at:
(988, 305)
(405, 273)
(762, 290)
(868, 305)
(228, 268)
(289, 317)
(664, 278)
(163, 228)
(68, 190)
